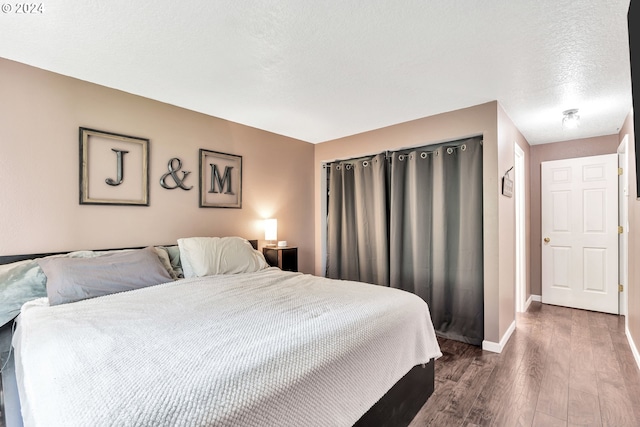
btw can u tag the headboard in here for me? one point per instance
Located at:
(8, 259)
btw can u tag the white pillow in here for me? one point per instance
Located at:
(206, 256)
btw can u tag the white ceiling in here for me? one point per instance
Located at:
(320, 70)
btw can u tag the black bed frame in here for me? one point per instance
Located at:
(8, 259)
(396, 408)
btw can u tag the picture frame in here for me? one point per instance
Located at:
(507, 186)
(220, 180)
(114, 168)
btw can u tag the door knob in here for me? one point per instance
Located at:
(547, 240)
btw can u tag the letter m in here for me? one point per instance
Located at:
(221, 182)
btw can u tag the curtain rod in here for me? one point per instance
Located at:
(441, 142)
(412, 147)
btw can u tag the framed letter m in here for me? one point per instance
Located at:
(220, 180)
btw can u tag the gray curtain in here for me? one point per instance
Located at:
(436, 234)
(357, 244)
(413, 220)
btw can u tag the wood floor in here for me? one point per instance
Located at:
(561, 367)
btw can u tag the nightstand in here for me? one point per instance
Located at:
(285, 259)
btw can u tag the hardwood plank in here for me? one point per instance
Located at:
(601, 337)
(582, 373)
(584, 408)
(611, 385)
(554, 396)
(616, 414)
(605, 359)
(544, 420)
(464, 394)
(596, 319)
(613, 322)
(628, 369)
(533, 363)
(519, 408)
(634, 391)
(439, 399)
(495, 395)
(615, 402)
(626, 361)
(455, 357)
(477, 417)
(584, 380)
(581, 353)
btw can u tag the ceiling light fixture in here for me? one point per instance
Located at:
(570, 119)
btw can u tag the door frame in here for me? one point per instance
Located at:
(521, 237)
(623, 220)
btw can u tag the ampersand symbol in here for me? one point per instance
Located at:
(173, 171)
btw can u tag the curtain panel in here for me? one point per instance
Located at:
(436, 234)
(357, 244)
(413, 220)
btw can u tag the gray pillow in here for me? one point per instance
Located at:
(75, 279)
(24, 281)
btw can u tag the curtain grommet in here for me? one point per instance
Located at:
(365, 164)
(449, 150)
(463, 147)
(401, 157)
(423, 155)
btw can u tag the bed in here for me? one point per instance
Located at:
(250, 346)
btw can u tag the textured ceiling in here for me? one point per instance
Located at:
(320, 70)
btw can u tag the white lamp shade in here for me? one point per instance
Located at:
(271, 229)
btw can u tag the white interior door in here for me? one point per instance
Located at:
(580, 233)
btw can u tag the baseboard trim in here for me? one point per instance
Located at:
(532, 298)
(634, 349)
(495, 347)
(528, 303)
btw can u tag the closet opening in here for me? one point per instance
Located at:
(412, 219)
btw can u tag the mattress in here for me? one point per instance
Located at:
(255, 349)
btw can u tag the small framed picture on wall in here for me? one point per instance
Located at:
(114, 169)
(220, 180)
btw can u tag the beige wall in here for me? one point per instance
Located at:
(557, 151)
(40, 113)
(633, 286)
(481, 119)
(508, 136)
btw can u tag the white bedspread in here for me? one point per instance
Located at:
(259, 349)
